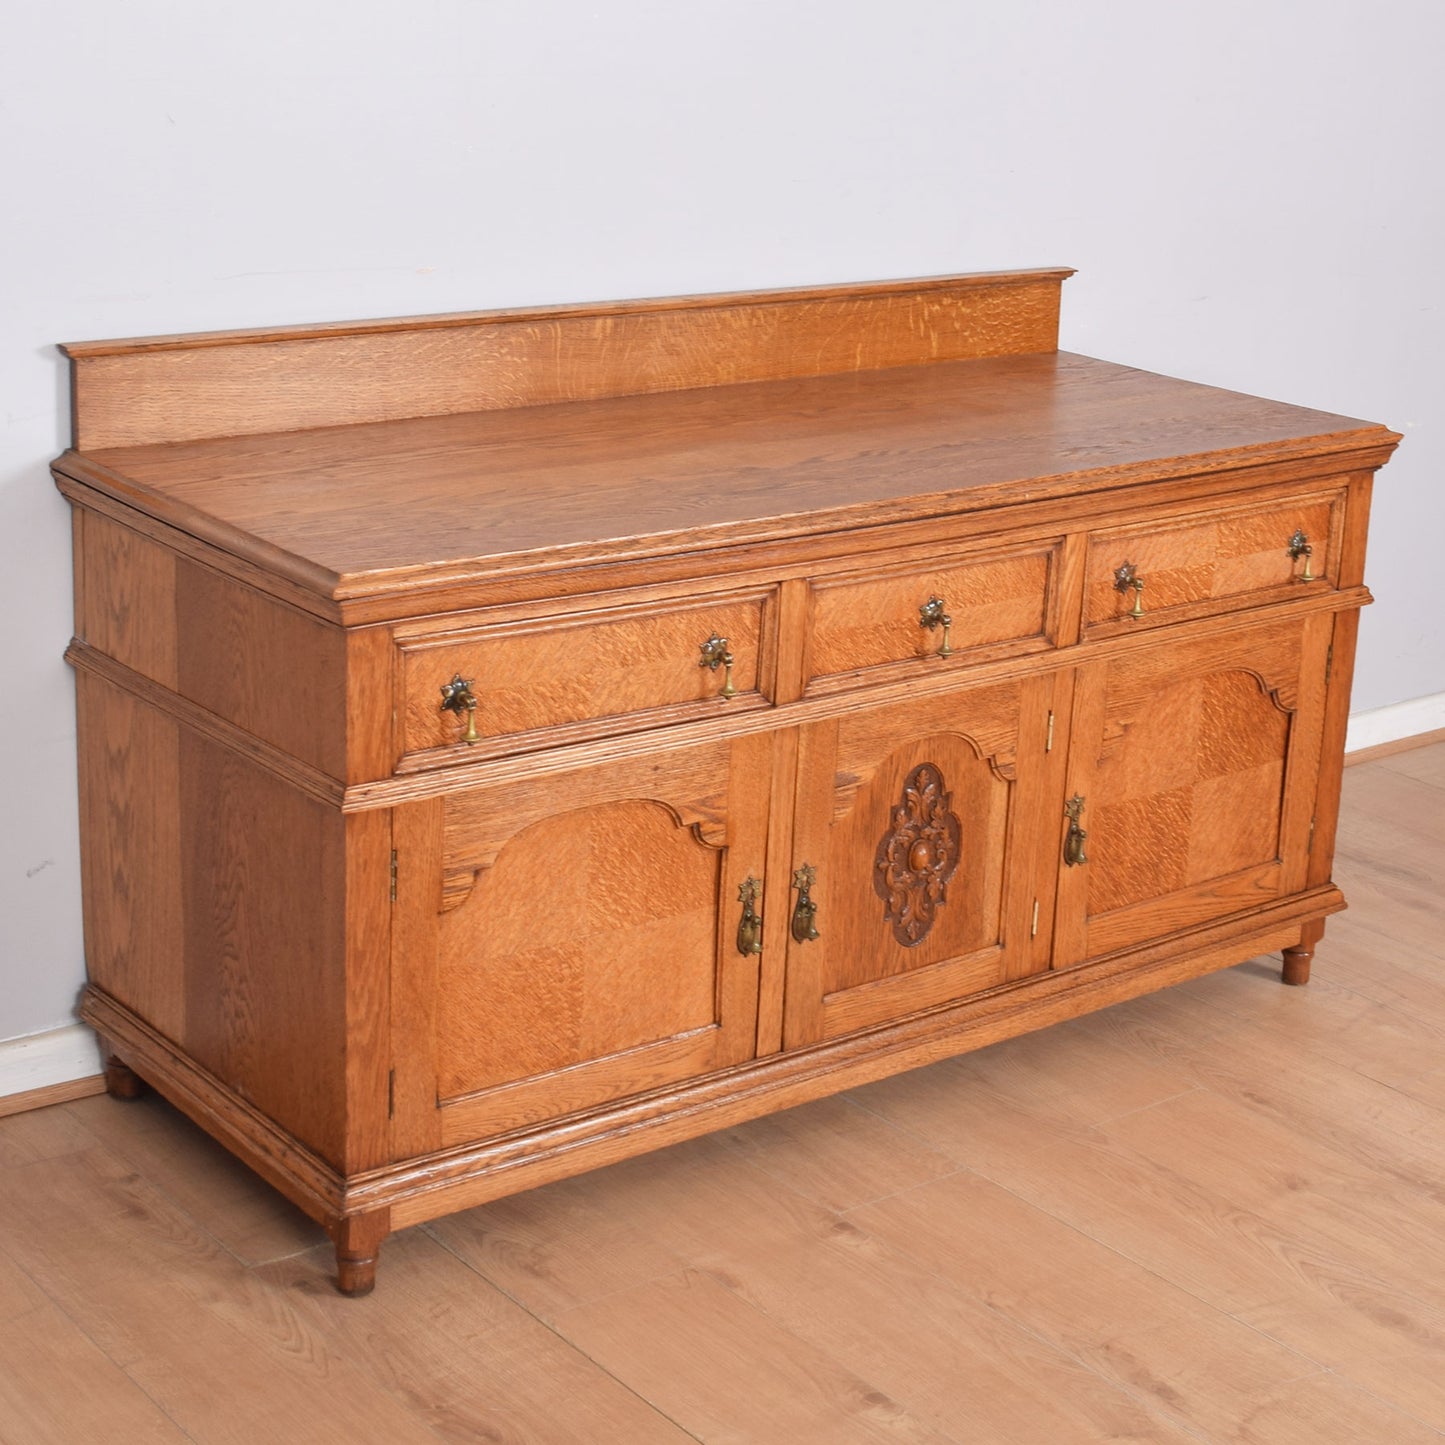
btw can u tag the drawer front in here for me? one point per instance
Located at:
(1211, 562)
(876, 620)
(564, 678)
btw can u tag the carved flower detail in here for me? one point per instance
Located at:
(917, 856)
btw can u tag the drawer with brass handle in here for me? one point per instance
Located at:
(929, 612)
(1223, 560)
(488, 688)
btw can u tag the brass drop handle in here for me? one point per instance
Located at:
(1299, 546)
(750, 926)
(932, 616)
(1074, 839)
(806, 910)
(1127, 578)
(458, 697)
(715, 655)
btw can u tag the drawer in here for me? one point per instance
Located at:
(873, 622)
(547, 680)
(1211, 562)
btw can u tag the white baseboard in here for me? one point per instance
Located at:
(40, 1061)
(1399, 720)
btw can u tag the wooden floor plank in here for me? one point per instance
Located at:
(56, 1386)
(1316, 1093)
(463, 1356)
(828, 1152)
(1008, 1097)
(238, 1209)
(1133, 1327)
(1315, 1190)
(1425, 765)
(1403, 1049)
(42, 1134)
(1391, 797)
(155, 1294)
(1397, 975)
(939, 1355)
(566, 1244)
(1324, 1408)
(729, 1372)
(1273, 1273)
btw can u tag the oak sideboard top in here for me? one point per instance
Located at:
(377, 507)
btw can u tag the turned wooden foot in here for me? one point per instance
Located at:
(358, 1242)
(1296, 968)
(121, 1081)
(1297, 965)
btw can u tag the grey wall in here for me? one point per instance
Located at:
(1251, 192)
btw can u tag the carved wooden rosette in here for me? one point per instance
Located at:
(917, 856)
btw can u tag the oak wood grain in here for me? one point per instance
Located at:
(543, 673)
(868, 621)
(1222, 559)
(161, 389)
(647, 475)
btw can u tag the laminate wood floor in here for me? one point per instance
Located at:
(1215, 1214)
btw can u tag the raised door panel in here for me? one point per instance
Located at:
(1192, 770)
(919, 820)
(572, 940)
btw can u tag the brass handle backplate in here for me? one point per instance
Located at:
(1299, 546)
(458, 697)
(806, 911)
(750, 926)
(1126, 579)
(932, 615)
(715, 654)
(1074, 839)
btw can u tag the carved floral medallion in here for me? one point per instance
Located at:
(917, 856)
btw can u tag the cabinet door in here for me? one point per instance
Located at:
(920, 820)
(566, 940)
(1196, 764)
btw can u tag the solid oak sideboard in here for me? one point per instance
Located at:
(512, 742)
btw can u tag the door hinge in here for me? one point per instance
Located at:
(391, 1094)
(393, 875)
(1034, 926)
(1329, 663)
(1310, 843)
(1049, 741)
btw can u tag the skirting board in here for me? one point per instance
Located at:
(1391, 724)
(44, 1068)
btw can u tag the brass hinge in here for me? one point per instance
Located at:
(1310, 844)
(1329, 663)
(391, 1094)
(1034, 926)
(1049, 741)
(393, 875)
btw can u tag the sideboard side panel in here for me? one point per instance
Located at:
(214, 908)
(249, 658)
